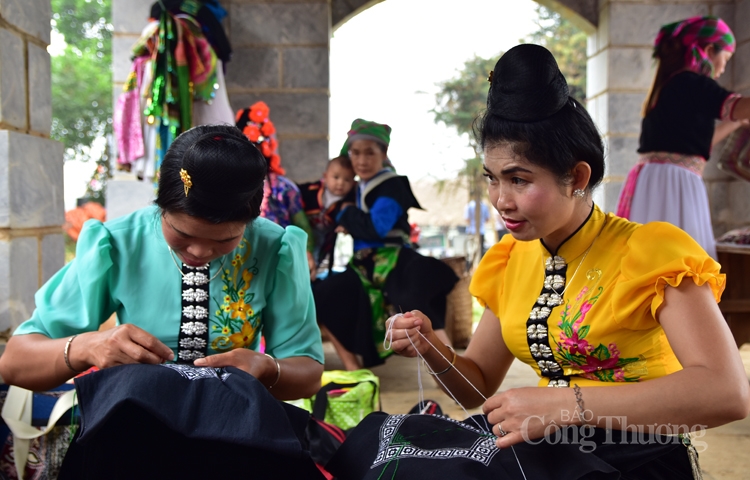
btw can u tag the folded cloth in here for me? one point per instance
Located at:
(179, 421)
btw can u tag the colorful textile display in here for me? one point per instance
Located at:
(174, 68)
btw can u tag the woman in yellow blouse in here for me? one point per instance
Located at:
(582, 296)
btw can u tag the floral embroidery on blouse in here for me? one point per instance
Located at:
(601, 362)
(235, 321)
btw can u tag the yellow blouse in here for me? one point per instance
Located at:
(611, 274)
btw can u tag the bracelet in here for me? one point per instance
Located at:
(579, 403)
(278, 371)
(65, 354)
(453, 362)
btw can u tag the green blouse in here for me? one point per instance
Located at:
(124, 266)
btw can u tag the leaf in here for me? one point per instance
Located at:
(583, 331)
(601, 352)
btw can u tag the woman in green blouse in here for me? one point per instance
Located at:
(195, 279)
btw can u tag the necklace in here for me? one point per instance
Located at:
(552, 261)
(179, 269)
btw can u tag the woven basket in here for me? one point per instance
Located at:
(458, 315)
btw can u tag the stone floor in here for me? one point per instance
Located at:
(725, 457)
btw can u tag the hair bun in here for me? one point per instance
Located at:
(527, 85)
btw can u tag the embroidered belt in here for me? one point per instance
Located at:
(694, 163)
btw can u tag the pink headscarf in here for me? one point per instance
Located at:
(696, 33)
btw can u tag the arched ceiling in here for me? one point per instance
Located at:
(583, 13)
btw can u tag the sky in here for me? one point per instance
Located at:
(384, 66)
(386, 61)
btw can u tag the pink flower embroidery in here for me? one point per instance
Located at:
(576, 345)
(583, 292)
(593, 364)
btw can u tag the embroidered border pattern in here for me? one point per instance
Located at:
(389, 448)
(198, 373)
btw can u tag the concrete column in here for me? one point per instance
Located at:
(281, 57)
(729, 196)
(31, 165)
(620, 71)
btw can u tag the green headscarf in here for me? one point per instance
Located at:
(366, 130)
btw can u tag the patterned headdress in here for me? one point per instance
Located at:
(696, 33)
(366, 130)
(259, 129)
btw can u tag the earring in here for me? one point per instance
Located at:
(578, 193)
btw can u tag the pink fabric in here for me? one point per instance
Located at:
(628, 190)
(127, 119)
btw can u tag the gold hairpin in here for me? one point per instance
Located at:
(489, 77)
(186, 180)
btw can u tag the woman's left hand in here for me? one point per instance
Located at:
(529, 413)
(256, 364)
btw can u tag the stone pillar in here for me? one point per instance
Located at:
(281, 57)
(729, 196)
(620, 71)
(31, 165)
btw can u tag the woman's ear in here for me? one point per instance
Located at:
(581, 175)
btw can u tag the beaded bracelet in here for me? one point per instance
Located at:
(453, 362)
(278, 370)
(65, 354)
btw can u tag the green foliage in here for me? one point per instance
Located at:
(462, 98)
(567, 43)
(81, 75)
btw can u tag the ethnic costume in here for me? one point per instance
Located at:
(666, 184)
(322, 208)
(125, 266)
(385, 275)
(585, 314)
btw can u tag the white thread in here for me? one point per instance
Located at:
(389, 337)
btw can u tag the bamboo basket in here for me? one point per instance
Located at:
(458, 314)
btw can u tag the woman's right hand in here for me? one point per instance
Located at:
(407, 332)
(121, 345)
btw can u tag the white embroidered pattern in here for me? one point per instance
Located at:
(196, 312)
(195, 295)
(195, 278)
(482, 450)
(195, 343)
(194, 328)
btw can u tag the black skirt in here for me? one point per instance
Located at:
(416, 283)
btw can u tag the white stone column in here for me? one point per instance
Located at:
(31, 165)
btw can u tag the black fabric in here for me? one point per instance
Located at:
(359, 224)
(175, 421)
(416, 283)
(683, 119)
(527, 85)
(324, 440)
(416, 446)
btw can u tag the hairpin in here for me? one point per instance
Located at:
(489, 77)
(186, 180)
